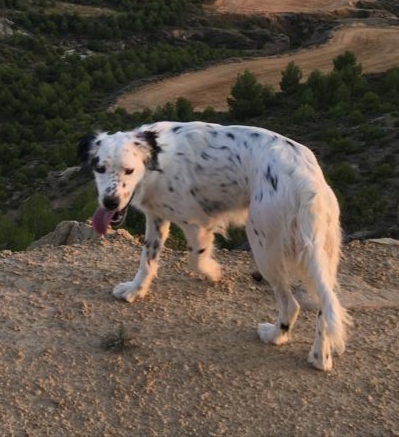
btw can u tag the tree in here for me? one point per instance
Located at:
(346, 67)
(184, 109)
(346, 60)
(247, 97)
(291, 78)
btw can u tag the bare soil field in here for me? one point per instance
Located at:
(193, 365)
(376, 48)
(273, 6)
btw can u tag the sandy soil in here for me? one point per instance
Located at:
(273, 6)
(194, 365)
(377, 49)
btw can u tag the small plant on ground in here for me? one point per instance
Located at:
(119, 342)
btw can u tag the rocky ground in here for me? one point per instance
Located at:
(186, 360)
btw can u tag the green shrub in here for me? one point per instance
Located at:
(356, 117)
(343, 174)
(383, 171)
(366, 207)
(370, 101)
(305, 112)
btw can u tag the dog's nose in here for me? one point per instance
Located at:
(111, 202)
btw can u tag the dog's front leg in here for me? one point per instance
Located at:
(157, 231)
(200, 248)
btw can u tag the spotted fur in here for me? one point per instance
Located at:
(204, 177)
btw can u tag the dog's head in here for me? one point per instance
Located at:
(119, 162)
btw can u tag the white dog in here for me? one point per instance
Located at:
(204, 177)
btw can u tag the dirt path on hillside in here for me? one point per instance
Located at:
(194, 366)
(273, 6)
(377, 49)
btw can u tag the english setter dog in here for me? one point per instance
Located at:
(204, 177)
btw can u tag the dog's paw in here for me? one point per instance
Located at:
(320, 361)
(129, 291)
(269, 333)
(211, 269)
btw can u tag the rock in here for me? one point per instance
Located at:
(67, 233)
(387, 241)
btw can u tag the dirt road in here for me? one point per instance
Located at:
(273, 6)
(194, 366)
(377, 49)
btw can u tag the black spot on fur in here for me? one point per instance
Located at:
(84, 146)
(256, 232)
(211, 206)
(155, 245)
(284, 327)
(176, 129)
(272, 179)
(168, 207)
(246, 145)
(150, 138)
(192, 192)
(238, 158)
(201, 251)
(316, 356)
(157, 224)
(255, 135)
(205, 156)
(230, 135)
(189, 248)
(199, 168)
(320, 313)
(171, 189)
(259, 196)
(290, 143)
(214, 133)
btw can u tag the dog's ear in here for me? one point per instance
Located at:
(84, 147)
(150, 139)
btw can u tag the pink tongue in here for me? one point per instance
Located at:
(101, 220)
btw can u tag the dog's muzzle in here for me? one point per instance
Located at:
(109, 215)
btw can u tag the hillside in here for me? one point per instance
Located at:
(375, 47)
(67, 63)
(192, 363)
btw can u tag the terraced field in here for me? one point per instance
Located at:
(376, 48)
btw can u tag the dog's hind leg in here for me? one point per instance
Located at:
(268, 251)
(157, 231)
(332, 319)
(200, 247)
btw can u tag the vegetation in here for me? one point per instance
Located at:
(61, 70)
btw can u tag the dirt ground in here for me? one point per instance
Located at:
(273, 6)
(376, 48)
(194, 365)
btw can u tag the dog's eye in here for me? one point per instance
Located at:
(99, 168)
(129, 171)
